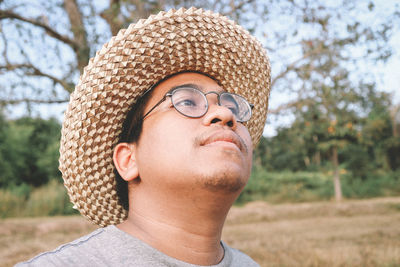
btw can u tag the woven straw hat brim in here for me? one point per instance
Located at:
(133, 61)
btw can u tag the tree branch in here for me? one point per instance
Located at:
(236, 7)
(4, 52)
(241, 4)
(34, 71)
(395, 124)
(289, 68)
(294, 104)
(110, 15)
(82, 50)
(292, 66)
(141, 11)
(28, 100)
(6, 14)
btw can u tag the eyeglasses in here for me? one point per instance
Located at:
(193, 103)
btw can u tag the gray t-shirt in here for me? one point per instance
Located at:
(110, 246)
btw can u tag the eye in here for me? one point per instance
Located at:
(185, 103)
(233, 109)
(232, 106)
(229, 101)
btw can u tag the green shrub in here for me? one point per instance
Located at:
(50, 199)
(47, 200)
(374, 185)
(286, 187)
(22, 191)
(11, 205)
(313, 186)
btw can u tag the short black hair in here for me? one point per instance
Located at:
(131, 130)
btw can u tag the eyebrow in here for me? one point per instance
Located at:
(191, 85)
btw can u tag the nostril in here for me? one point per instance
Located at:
(215, 120)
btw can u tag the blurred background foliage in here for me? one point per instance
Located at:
(337, 133)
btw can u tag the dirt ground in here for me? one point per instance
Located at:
(352, 233)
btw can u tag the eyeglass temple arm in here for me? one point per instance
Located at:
(156, 105)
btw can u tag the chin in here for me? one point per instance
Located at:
(226, 172)
(226, 181)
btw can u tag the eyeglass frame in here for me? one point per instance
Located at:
(171, 92)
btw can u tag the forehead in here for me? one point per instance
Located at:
(201, 81)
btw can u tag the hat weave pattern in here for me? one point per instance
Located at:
(130, 63)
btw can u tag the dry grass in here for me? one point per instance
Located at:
(354, 233)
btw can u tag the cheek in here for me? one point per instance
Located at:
(245, 135)
(164, 141)
(165, 152)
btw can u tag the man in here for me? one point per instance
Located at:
(157, 142)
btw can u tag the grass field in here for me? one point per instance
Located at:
(353, 233)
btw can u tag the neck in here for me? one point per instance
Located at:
(186, 227)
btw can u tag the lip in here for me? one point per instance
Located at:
(223, 138)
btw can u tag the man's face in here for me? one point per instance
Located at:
(213, 152)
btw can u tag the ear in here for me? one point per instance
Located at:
(125, 161)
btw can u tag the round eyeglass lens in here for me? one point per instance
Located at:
(238, 105)
(190, 102)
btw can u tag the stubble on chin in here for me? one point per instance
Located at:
(223, 182)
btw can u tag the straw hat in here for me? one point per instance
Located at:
(133, 61)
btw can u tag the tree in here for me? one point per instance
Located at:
(316, 50)
(347, 131)
(379, 134)
(29, 151)
(328, 92)
(5, 168)
(44, 51)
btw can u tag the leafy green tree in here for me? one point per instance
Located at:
(29, 152)
(6, 170)
(345, 132)
(286, 151)
(379, 135)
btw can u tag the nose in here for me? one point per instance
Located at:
(219, 115)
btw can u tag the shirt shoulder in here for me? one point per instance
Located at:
(66, 254)
(235, 258)
(104, 245)
(110, 246)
